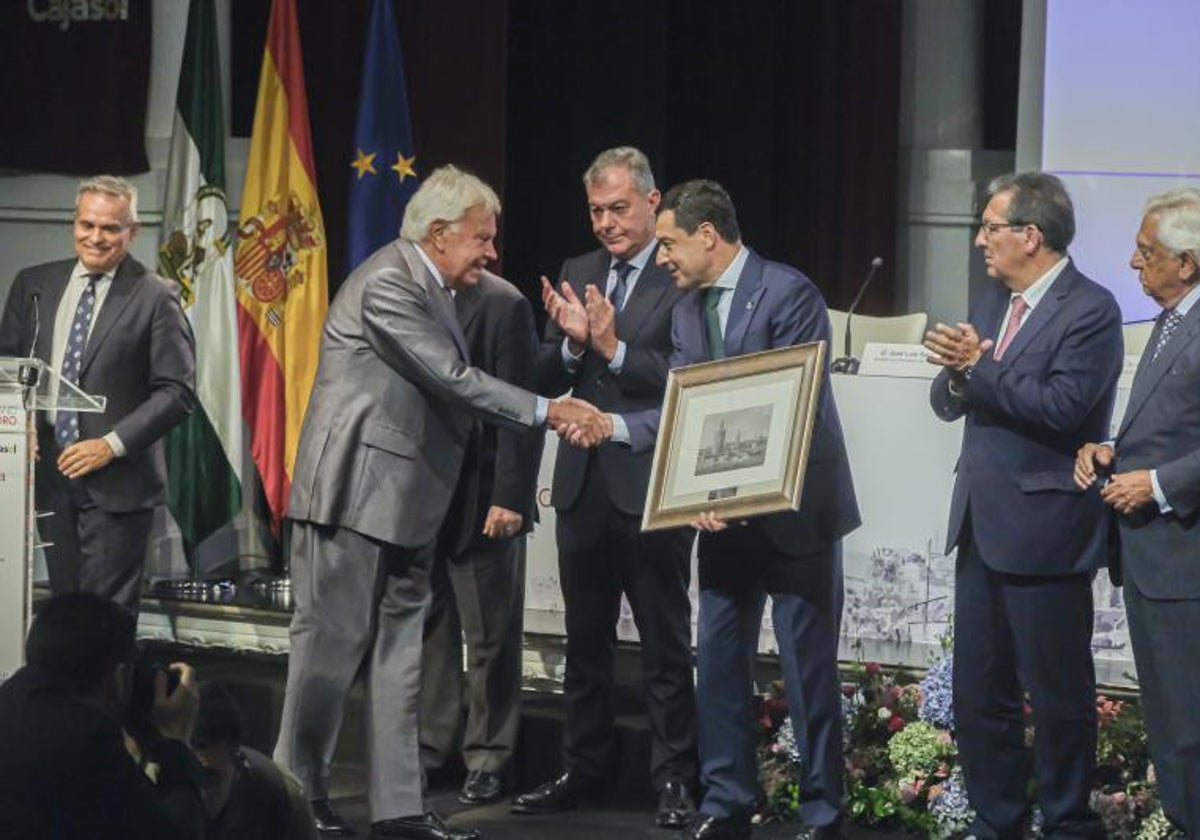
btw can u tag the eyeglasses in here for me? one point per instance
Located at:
(991, 228)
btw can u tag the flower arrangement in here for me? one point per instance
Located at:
(901, 759)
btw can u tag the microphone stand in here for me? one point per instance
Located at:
(847, 363)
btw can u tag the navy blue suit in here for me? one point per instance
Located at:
(1029, 542)
(795, 557)
(1157, 559)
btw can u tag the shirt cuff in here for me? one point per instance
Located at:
(540, 411)
(618, 359)
(620, 430)
(115, 444)
(1159, 496)
(570, 360)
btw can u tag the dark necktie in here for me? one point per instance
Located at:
(66, 424)
(1171, 321)
(622, 270)
(712, 319)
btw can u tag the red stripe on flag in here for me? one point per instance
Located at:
(263, 410)
(283, 43)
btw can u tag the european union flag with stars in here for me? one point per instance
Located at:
(384, 167)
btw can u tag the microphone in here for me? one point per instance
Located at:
(847, 363)
(28, 375)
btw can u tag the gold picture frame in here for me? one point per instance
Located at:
(734, 436)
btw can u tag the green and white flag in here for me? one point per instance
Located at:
(205, 452)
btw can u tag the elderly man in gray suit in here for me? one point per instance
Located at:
(381, 449)
(106, 323)
(1153, 490)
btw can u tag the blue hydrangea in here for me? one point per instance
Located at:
(937, 694)
(950, 809)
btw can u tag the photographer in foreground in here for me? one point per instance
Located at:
(67, 767)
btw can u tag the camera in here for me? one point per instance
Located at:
(138, 711)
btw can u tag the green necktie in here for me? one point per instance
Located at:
(716, 341)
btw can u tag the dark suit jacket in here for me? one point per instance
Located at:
(393, 405)
(502, 468)
(775, 306)
(1161, 430)
(644, 324)
(1026, 416)
(64, 771)
(141, 355)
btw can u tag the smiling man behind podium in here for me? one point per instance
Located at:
(117, 330)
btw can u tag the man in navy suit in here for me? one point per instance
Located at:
(1034, 373)
(608, 341)
(739, 303)
(1153, 493)
(101, 474)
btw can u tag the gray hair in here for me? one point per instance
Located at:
(445, 196)
(1178, 215)
(1041, 200)
(110, 185)
(629, 157)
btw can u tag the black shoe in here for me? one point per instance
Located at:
(565, 793)
(832, 831)
(675, 806)
(329, 821)
(481, 787)
(708, 827)
(428, 826)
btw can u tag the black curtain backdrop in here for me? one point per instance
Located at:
(792, 106)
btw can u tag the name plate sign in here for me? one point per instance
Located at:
(902, 360)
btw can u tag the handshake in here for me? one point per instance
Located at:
(578, 422)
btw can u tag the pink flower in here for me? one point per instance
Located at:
(872, 669)
(896, 723)
(849, 691)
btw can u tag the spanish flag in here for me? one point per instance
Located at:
(280, 263)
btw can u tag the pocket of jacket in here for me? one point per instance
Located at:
(390, 439)
(1061, 480)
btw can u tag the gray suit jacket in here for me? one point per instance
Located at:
(141, 355)
(1160, 552)
(393, 405)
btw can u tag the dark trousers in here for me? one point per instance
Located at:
(1164, 635)
(806, 595)
(601, 553)
(478, 597)
(1014, 631)
(92, 549)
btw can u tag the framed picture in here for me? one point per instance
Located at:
(734, 436)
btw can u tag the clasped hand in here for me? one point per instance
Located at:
(956, 348)
(588, 322)
(1123, 492)
(579, 422)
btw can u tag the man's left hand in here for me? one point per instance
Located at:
(1126, 492)
(602, 321)
(501, 523)
(83, 457)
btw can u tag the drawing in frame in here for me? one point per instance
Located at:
(734, 436)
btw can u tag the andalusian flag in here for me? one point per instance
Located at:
(205, 452)
(282, 284)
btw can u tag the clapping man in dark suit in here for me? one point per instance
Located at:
(478, 577)
(1153, 494)
(608, 341)
(739, 303)
(394, 405)
(1034, 373)
(116, 330)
